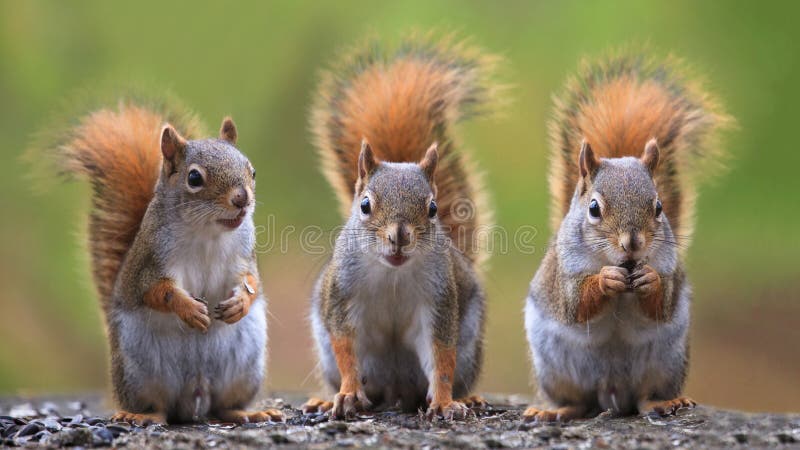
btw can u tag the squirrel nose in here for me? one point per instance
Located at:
(399, 235)
(631, 242)
(240, 198)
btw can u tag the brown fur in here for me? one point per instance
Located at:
(617, 105)
(401, 104)
(118, 151)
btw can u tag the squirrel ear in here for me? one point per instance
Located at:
(428, 163)
(650, 156)
(366, 160)
(587, 161)
(228, 130)
(171, 144)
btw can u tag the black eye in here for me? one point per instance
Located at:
(432, 209)
(365, 206)
(195, 179)
(594, 209)
(254, 174)
(658, 208)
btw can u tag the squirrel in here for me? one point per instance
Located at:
(172, 244)
(607, 314)
(397, 314)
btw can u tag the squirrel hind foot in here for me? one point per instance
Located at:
(240, 417)
(665, 408)
(454, 410)
(139, 419)
(563, 414)
(316, 405)
(474, 401)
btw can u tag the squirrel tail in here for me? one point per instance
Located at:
(620, 102)
(117, 151)
(402, 100)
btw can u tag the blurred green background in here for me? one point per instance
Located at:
(259, 62)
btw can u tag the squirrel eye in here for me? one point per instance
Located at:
(432, 208)
(365, 206)
(658, 208)
(195, 179)
(594, 209)
(254, 174)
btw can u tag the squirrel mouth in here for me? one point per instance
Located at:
(235, 222)
(396, 259)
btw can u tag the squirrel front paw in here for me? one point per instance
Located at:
(194, 312)
(233, 309)
(645, 281)
(448, 411)
(347, 404)
(613, 280)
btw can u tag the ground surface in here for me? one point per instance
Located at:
(82, 421)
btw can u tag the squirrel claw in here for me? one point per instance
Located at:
(669, 407)
(195, 314)
(474, 402)
(240, 417)
(613, 280)
(346, 405)
(316, 405)
(233, 309)
(563, 414)
(449, 411)
(643, 278)
(142, 420)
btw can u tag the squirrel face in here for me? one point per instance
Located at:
(623, 215)
(396, 206)
(210, 180)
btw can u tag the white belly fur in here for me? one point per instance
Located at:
(392, 311)
(225, 365)
(621, 353)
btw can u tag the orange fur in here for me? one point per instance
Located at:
(668, 407)
(402, 103)
(161, 296)
(653, 302)
(118, 151)
(444, 359)
(165, 297)
(592, 299)
(345, 355)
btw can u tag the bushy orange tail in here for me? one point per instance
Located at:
(117, 151)
(619, 103)
(402, 100)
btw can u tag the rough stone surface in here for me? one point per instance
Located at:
(83, 422)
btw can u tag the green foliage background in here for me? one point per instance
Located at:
(258, 61)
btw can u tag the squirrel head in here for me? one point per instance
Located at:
(622, 214)
(209, 181)
(395, 205)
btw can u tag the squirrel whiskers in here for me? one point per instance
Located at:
(172, 243)
(398, 317)
(607, 314)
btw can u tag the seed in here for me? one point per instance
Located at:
(29, 429)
